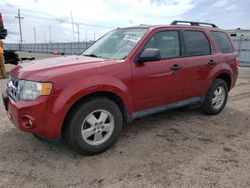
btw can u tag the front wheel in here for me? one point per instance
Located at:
(216, 97)
(94, 125)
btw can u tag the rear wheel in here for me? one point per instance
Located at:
(216, 97)
(93, 126)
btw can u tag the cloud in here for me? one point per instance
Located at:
(100, 16)
(144, 10)
(109, 12)
(220, 3)
(231, 7)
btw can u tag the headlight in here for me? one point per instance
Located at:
(29, 90)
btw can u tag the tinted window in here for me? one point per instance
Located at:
(196, 43)
(223, 42)
(167, 42)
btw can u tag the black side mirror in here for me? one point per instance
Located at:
(149, 54)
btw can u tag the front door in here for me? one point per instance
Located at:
(161, 82)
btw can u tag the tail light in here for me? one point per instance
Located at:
(237, 61)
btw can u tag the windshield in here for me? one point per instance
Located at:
(117, 44)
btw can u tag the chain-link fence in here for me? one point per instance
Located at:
(242, 44)
(62, 47)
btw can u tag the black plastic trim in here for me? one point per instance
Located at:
(150, 111)
(5, 101)
(192, 23)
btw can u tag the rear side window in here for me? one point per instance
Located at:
(223, 42)
(196, 43)
(167, 42)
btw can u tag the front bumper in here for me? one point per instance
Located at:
(35, 117)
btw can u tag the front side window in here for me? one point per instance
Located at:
(167, 42)
(196, 43)
(117, 44)
(222, 41)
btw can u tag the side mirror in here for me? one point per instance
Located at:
(149, 54)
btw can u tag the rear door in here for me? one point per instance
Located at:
(228, 55)
(200, 60)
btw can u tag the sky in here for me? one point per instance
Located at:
(51, 19)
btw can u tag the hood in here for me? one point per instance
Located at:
(40, 69)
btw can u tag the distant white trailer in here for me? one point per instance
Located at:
(241, 39)
(239, 32)
(242, 45)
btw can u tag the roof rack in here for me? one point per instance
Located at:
(175, 22)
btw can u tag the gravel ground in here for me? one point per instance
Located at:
(177, 148)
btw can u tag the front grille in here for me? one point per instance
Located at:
(13, 88)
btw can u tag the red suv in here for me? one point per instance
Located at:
(128, 73)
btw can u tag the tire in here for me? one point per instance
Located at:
(90, 121)
(218, 91)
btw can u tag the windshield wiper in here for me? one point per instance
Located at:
(91, 55)
(124, 57)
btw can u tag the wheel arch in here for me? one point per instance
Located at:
(227, 78)
(218, 73)
(107, 94)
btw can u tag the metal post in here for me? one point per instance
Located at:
(78, 37)
(34, 35)
(240, 45)
(64, 48)
(20, 27)
(49, 34)
(78, 32)
(86, 39)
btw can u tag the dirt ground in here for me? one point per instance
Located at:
(178, 148)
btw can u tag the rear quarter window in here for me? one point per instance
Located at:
(223, 42)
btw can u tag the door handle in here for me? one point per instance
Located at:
(176, 67)
(212, 62)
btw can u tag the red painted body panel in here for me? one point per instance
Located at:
(155, 84)
(41, 111)
(139, 86)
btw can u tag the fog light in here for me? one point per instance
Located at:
(28, 122)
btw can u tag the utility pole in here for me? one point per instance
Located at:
(49, 34)
(78, 37)
(34, 35)
(72, 22)
(20, 27)
(78, 32)
(94, 36)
